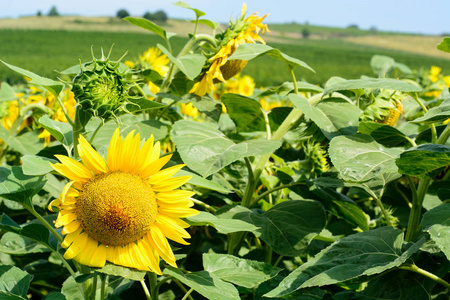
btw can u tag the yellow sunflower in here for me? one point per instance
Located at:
(124, 209)
(244, 30)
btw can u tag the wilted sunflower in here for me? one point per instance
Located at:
(219, 68)
(124, 209)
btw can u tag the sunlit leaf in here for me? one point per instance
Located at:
(52, 86)
(198, 13)
(361, 254)
(372, 83)
(124, 272)
(205, 283)
(444, 45)
(191, 64)
(384, 134)
(242, 272)
(334, 116)
(437, 223)
(59, 130)
(222, 225)
(14, 283)
(146, 24)
(251, 51)
(7, 92)
(436, 114)
(245, 112)
(207, 150)
(16, 186)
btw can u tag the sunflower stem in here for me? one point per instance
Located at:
(152, 278)
(280, 187)
(416, 269)
(44, 222)
(96, 131)
(416, 210)
(444, 135)
(187, 294)
(103, 286)
(432, 126)
(146, 291)
(181, 286)
(76, 131)
(94, 286)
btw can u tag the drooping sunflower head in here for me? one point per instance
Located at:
(102, 86)
(385, 108)
(218, 68)
(122, 209)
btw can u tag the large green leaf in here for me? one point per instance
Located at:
(421, 160)
(37, 165)
(384, 134)
(71, 290)
(361, 254)
(207, 150)
(191, 64)
(288, 227)
(55, 296)
(372, 83)
(437, 223)
(16, 186)
(245, 112)
(222, 225)
(7, 92)
(198, 13)
(149, 25)
(242, 272)
(288, 87)
(360, 158)
(342, 207)
(334, 116)
(136, 105)
(27, 143)
(202, 182)
(251, 51)
(207, 284)
(124, 272)
(436, 114)
(381, 64)
(52, 86)
(15, 244)
(444, 45)
(14, 283)
(59, 130)
(376, 186)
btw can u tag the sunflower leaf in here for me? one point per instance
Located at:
(251, 51)
(205, 283)
(191, 64)
(207, 150)
(437, 223)
(372, 83)
(222, 225)
(17, 186)
(14, 283)
(149, 25)
(59, 130)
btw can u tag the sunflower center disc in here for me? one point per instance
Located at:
(116, 208)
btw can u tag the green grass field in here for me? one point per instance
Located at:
(43, 52)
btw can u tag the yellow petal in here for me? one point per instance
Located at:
(90, 158)
(151, 254)
(99, 257)
(77, 246)
(171, 184)
(110, 250)
(65, 219)
(72, 227)
(155, 166)
(69, 173)
(114, 151)
(172, 230)
(174, 196)
(68, 240)
(164, 174)
(144, 155)
(76, 167)
(159, 242)
(178, 212)
(130, 151)
(138, 258)
(84, 257)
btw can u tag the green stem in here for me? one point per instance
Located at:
(251, 184)
(103, 286)
(268, 192)
(76, 129)
(44, 222)
(61, 104)
(444, 135)
(96, 131)
(153, 285)
(416, 210)
(204, 205)
(146, 291)
(432, 126)
(383, 211)
(277, 262)
(416, 269)
(94, 286)
(181, 286)
(187, 294)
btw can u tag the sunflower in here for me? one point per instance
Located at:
(124, 209)
(219, 68)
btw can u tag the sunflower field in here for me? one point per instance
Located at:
(173, 176)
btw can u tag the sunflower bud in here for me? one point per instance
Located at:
(101, 87)
(392, 116)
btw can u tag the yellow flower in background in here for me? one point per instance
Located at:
(244, 86)
(434, 73)
(269, 104)
(446, 80)
(219, 68)
(124, 209)
(189, 109)
(157, 61)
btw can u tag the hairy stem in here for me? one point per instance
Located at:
(416, 269)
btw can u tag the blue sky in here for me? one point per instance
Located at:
(415, 16)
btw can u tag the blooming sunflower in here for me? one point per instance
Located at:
(124, 209)
(219, 68)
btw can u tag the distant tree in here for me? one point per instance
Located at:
(160, 15)
(373, 30)
(122, 13)
(149, 16)
(53, 12)
(352, 26)
(39, 13)
(306, 32)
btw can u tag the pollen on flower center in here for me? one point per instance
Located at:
(116, 208)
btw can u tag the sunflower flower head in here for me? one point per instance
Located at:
(122, 209)
(102, 86)
(218, 68)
